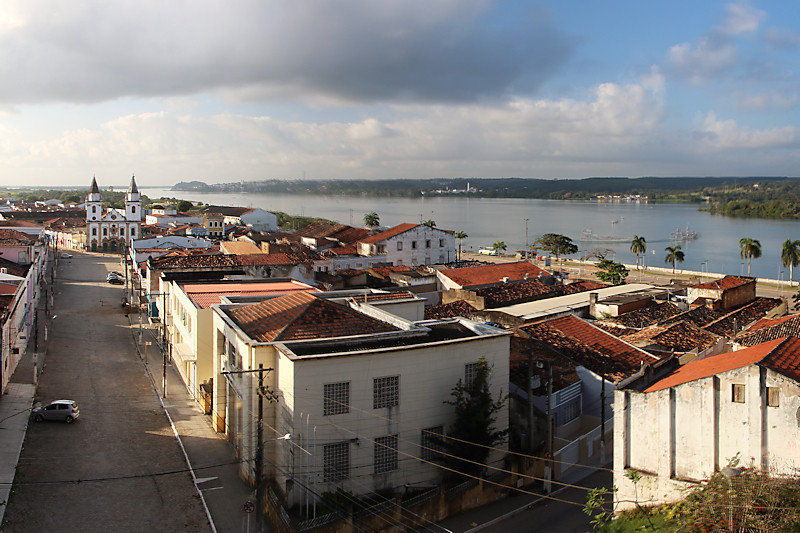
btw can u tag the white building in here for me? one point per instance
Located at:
(677, 425)
(349, 388)
(410, 244)
(113, 229)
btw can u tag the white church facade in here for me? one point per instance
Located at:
(113, 229)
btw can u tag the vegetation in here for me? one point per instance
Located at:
(372, 220)
(556, 244)
(499, 246)
(674, 255)
(597, 253)
(749, 249)
(475, 417)
(460, 236)
(185, 206)
(295, 222)
(638, 247)
(429, 223)
(790, 256)
(611, 272)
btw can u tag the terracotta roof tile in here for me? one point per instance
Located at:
(730, 324)
(239, 247)
(389, 233)
(451, 310)
(494, 273)
(529, 290)
(781, 355)
(11, 236)
(768, 329)
(728, 282)
(590, 347)
(303, 316)
(384, 296)
(384, 271)
(682, 336)
(204, 295)
(647, 316)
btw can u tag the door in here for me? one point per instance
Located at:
(50, 412)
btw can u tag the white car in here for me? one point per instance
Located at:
(66, 410)
(66, 256)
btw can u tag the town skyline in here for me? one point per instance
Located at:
(485, 89)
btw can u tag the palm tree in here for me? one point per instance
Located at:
(638, 246)
(372, 220)
(790, 256)
(460, 235)
(499, 246)
(749, 248)
(674, 254)
(429, 223)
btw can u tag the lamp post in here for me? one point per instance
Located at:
(730, 472)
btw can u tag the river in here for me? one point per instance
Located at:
(486, 220)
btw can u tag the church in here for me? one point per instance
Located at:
(113, 229)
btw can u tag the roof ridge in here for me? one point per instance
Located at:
(306, 305)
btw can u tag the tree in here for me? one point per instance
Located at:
(749, 249)
(184, 205)
(460, 235)
(556, 244)
(475, 417)
(598, 253)
(790, 256)
(674, 254)
(499, 246)
(372, 220)
(430, 223)
(638, 246)
(611, 271)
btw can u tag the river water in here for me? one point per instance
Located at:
(486, 220)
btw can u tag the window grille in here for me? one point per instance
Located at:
(737, 393)
(336, 398)
(385, 454)
(431, 440)
(470, 372)
(773, 396)
(336, 462)
(571, 411)
(385, 392)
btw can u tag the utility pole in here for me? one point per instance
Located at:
(125, 263)
(260, 448)
(527, 249)
(549, 468)
(164, 343)
(603, 419)
(530, 400)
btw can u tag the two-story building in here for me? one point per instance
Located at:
(348, 388)
(410, 244)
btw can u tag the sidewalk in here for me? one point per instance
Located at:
(225, 493)
(15, 408)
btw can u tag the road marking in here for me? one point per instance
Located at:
(204, 479)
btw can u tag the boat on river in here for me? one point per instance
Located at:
(684, 234)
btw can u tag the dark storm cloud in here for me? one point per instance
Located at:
(355, 50)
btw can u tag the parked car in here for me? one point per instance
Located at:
(115, 278)
(66, 256)
(66, 410)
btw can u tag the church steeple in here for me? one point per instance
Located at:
(95, 188)
(93, 206)
(132, 189)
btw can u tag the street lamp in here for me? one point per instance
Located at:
(730, 472)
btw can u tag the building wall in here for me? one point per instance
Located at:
(260, 220)
(730, 298)
(412, 310)
(421, 405)
(680, 436)
(420, 255)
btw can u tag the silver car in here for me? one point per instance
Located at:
(65, 410)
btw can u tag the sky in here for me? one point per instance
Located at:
(243, 90)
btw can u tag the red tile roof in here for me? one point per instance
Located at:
(486, 274)
(722, 284)
(730, 324)
(301, 315)
(7, 288)
(12, 235)
(781, 355)
(647, 316)
(204, 295)
(349, 249)
(383, 296)
(682, 336)
(386, 270)
(768, 329)
(453, 309)
(389, 233)
(529, 290)
(590, 347)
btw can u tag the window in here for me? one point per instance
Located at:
(94, 231)
(773, 397)
(133, 232)
(432, 445)
(737, 393)
(441, 243)
(427, 243)
(470, 371)
(385, 392)
(571, 411)
(336, 398)
(94, 209)
(385, 454)
(133, 209)
(105, 231)
(399, 245)
(413, 245)
(336, 462)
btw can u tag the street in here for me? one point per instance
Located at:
(121, 432)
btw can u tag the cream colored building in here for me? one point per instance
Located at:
(359, 388)
(677, 425)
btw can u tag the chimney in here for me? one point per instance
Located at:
(592, 302)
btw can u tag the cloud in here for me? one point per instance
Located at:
(783, 38)
(741, 18)
(768, 101)
(729, 135)
(350, 50)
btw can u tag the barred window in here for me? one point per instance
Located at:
(336, 398)
(571, 411)
(773, 397)
(336, 461)
(432, 445)
(385, 454)
(470, 372)
(385, 392)
(737, 393)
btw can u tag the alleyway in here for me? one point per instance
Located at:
(122, 430)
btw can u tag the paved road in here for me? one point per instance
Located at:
(122, 430)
